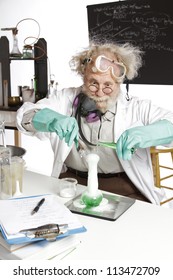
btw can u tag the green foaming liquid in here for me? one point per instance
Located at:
(90, 201)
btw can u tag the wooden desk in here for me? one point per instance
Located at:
(143, 232)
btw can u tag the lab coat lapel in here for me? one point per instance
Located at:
(120, 118)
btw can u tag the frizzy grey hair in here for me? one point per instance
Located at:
(129, 55)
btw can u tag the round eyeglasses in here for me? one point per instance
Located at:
(95, 88)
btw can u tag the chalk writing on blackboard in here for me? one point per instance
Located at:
(145, 23)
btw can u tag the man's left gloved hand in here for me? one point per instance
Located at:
(158, 133)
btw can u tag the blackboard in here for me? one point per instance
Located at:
(147, 24)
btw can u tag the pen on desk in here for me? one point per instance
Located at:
(35, 210)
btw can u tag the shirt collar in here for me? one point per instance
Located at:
(109, 114)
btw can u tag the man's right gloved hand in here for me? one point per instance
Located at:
(47, 120)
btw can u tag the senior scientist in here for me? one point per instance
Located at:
(75, 119)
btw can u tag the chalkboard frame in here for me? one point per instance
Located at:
(147, 24)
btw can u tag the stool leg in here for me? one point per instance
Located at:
(157, 171)
(167, 200)
(156, 168)
(153, 160)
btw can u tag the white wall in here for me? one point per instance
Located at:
(64, 26)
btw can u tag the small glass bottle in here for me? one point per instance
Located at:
(28, 51)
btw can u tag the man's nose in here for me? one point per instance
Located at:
(99, 92)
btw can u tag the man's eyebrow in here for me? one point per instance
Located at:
(92, 80)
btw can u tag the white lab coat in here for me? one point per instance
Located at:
(131, 113)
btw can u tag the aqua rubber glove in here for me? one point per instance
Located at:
(47, 120)
(158, 133)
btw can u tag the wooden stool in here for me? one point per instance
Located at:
(156, 168)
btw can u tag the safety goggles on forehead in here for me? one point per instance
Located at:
(103, 64)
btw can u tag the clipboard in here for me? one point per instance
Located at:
(53, 221)
(115, 206)
(50, 232)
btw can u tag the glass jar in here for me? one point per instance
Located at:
(28, 51)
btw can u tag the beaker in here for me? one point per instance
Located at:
(5, 173)
(67, 187)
